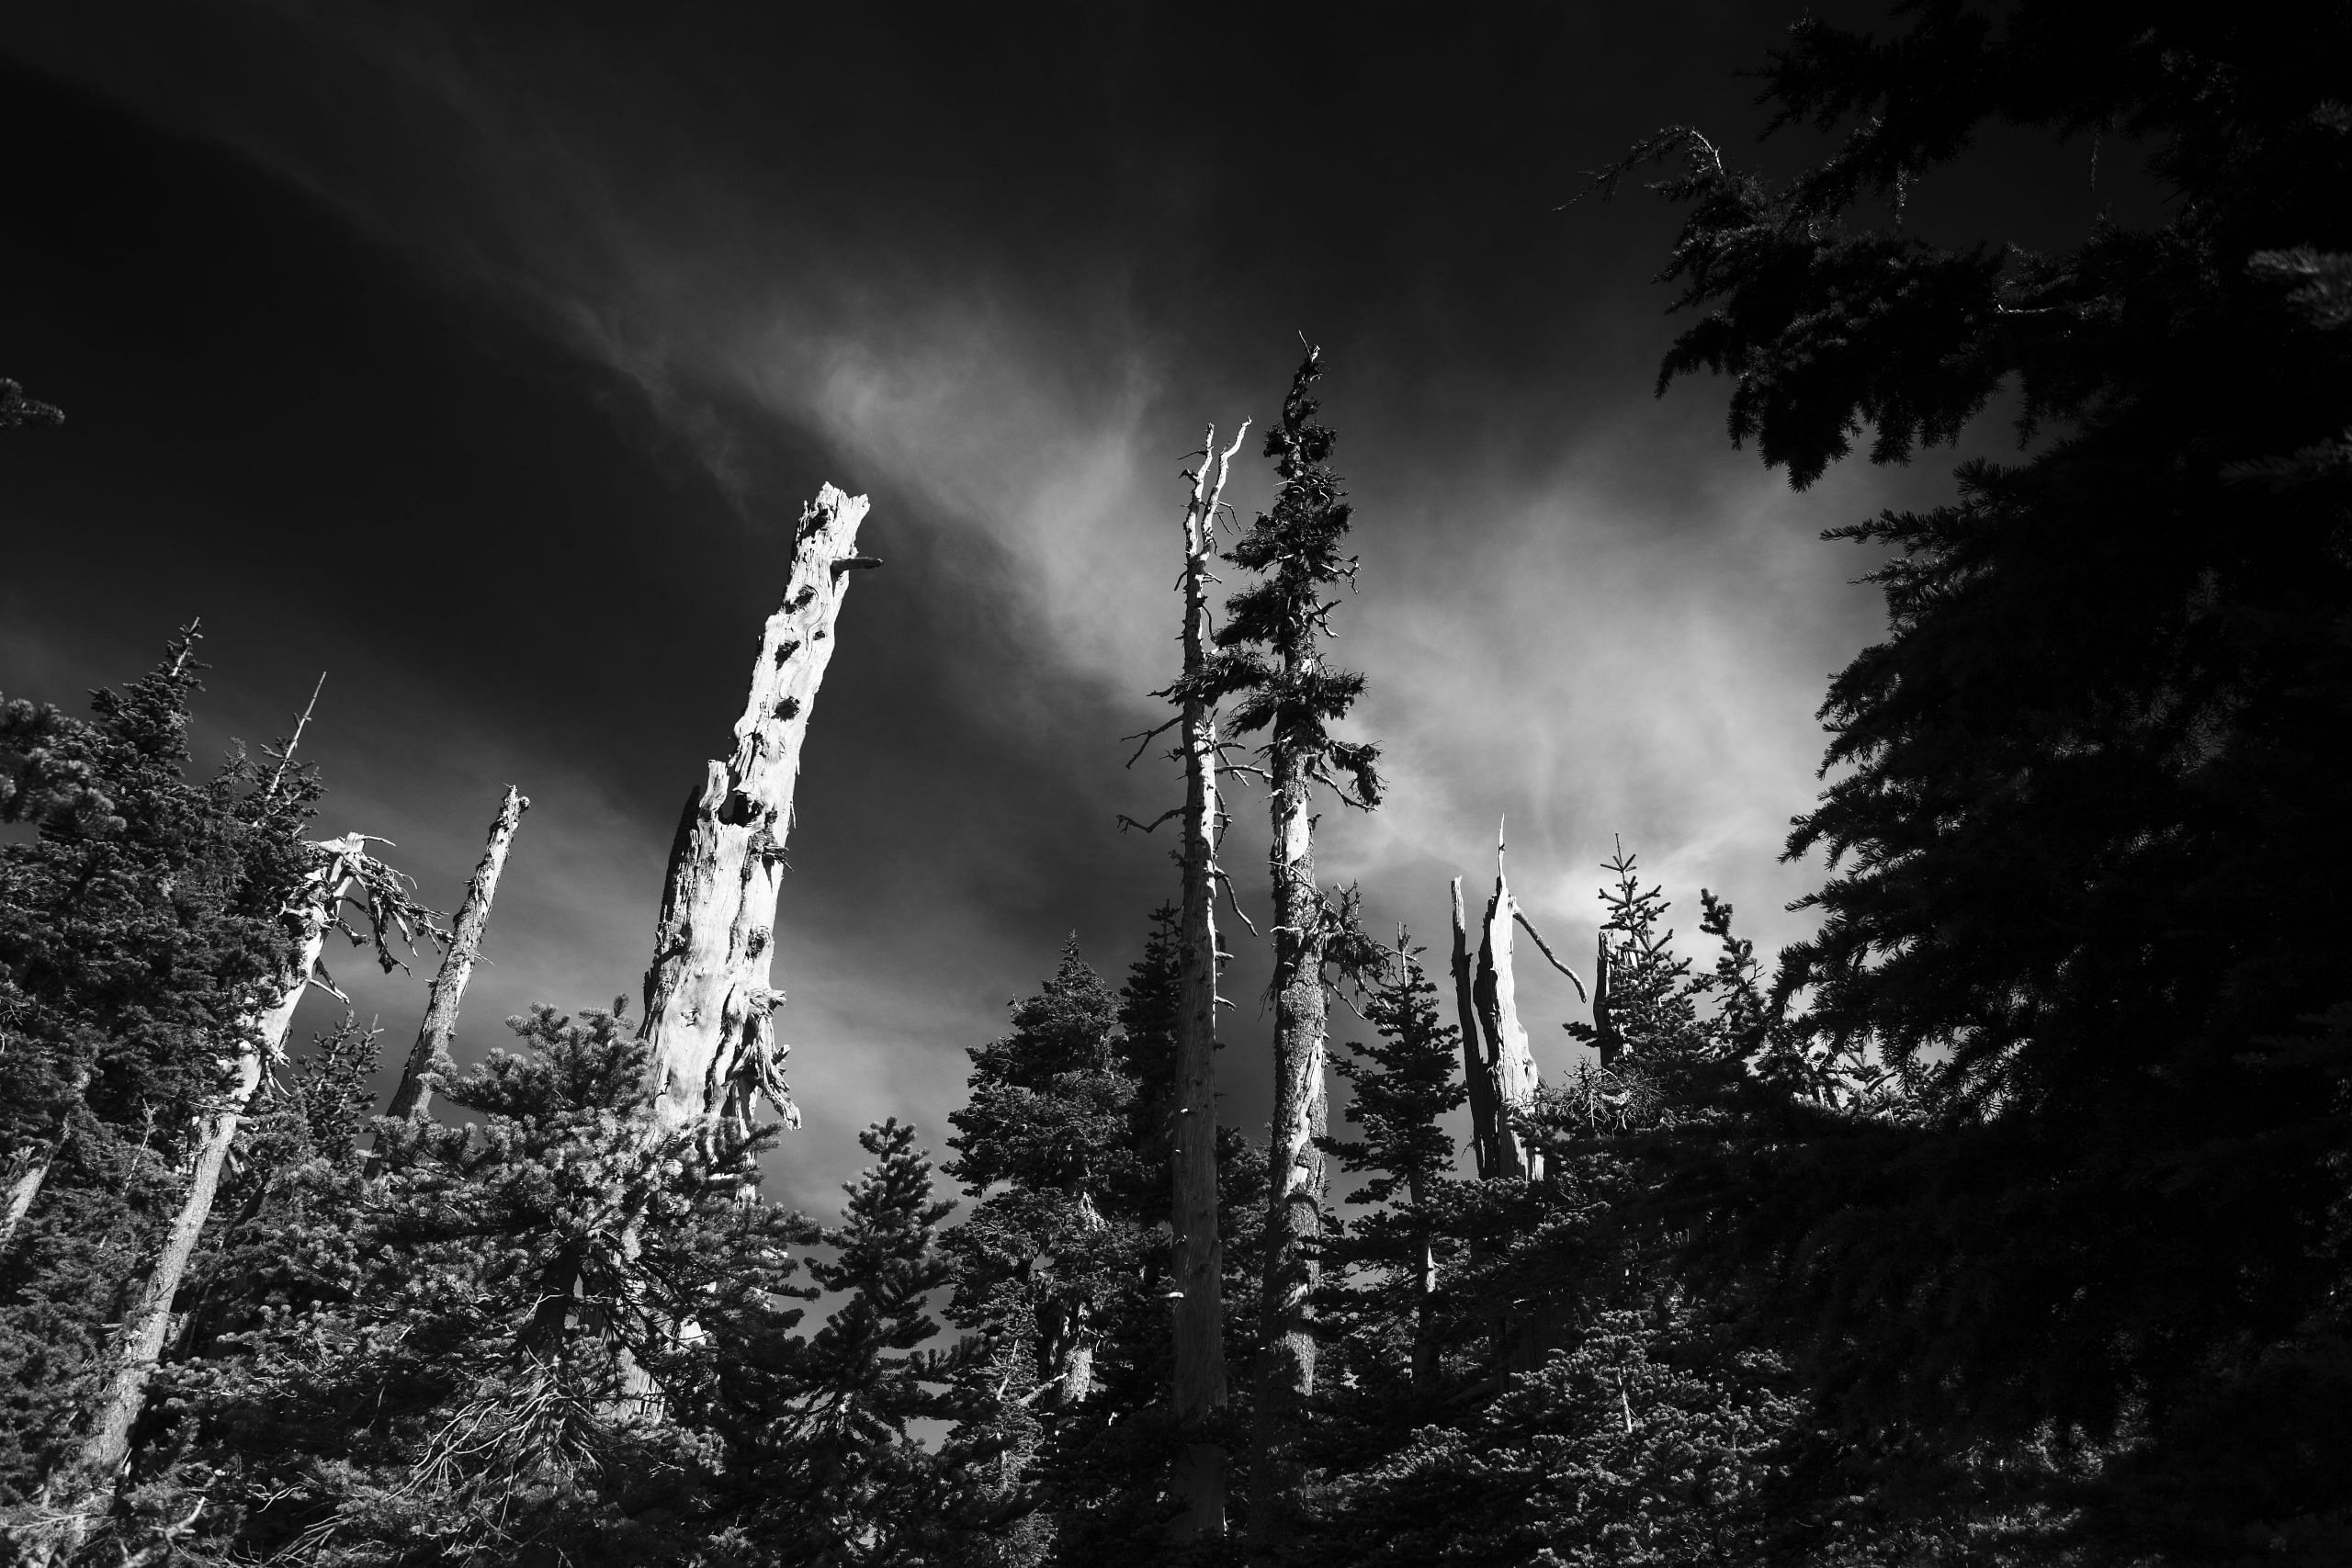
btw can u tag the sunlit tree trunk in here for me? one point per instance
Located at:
(1509, 1063)
(1197, 1256)
(708, 1006)
(1296, 1175)
(431, 1052)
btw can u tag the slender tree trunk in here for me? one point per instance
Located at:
(1485, 1143)
(1296, 1168)
(431, 1052)
(24, 1188)
(709, 1007)
(1196, 1259)
(93, 1472)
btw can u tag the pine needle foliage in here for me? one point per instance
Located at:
(2102, 726)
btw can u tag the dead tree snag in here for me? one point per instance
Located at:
(1197, 1257)
(709, 1012)
(430, 1057)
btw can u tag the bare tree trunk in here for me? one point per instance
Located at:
(1198, 1255)
(1486, 1142)
(93, 1472)
(1604, 1026)
(24, 1188)
(1510, 1063)
(431, 1053)
(709, 1007)
(1295, 1176)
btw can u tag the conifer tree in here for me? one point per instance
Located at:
(1402, 1083)
(139, 931)
(2103, 723)
(1271, 661)
(830, 1469)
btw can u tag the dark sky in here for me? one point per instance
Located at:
(478, 357)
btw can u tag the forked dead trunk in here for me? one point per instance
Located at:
(708, 1006)
(430, 1056)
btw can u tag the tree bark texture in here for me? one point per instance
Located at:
(1604, 1025)
(90, 1487)
(1196, 1263)
(1509, 1061)
(1295, 1173)
(1486, 1143)
(431, 1052)
(709, 1007)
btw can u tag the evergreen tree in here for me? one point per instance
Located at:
(1402, 1083)
(137, 928)
(825, 1466)
(431, 1370)
(2101, 730)
(1271, 659)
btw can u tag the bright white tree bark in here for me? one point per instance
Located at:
(1197, 1257)
(415, 1096)
(708, 1006)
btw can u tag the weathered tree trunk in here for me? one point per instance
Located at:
(1509, 1061)
(431, 1052)
(26, 1188)
(1296, 1175)
(1485, 1143)
(89, 1483)
(709, 1007)
(1196, 1261)
(1604, 1026)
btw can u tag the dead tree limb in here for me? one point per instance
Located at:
(430, 1057)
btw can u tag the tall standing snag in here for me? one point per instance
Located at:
(1497, 1057)
(415, 1096)
(1270, 656)
(1197, 1257)
(709, 1007)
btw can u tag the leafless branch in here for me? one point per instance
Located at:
(1545, 949)
(1145, 735)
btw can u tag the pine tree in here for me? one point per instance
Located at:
(137, 931)
(432, 1373)
(1402, 1083)
(1271, 659)
(829, 1470)
(2101, 730)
